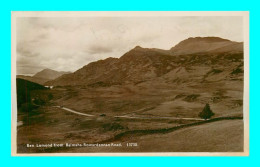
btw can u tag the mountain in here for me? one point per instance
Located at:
(49, 74)
(206, 45)
(134, 66)
(43, 76)
(185, 61)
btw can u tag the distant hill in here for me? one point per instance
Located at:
(43, 76)
(49, 74)
(143, 64)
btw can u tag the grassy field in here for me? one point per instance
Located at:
(221, 136)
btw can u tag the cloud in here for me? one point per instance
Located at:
(26, 52)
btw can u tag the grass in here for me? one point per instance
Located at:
(218, 136)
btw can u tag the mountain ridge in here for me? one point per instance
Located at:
(205, 45)
(142, 64)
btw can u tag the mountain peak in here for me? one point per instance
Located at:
(194, 45)
(138, 47)
(206, 39)
(47, 69)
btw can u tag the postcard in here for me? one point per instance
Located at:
(130, 83)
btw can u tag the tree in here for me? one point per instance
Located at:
(206, 112)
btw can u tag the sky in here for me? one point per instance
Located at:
(67, 44)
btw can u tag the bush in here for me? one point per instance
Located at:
(206, 113)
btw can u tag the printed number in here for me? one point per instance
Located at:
(132, 144)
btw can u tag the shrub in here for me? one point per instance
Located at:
(206, 113)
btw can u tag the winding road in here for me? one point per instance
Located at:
(73, 111)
